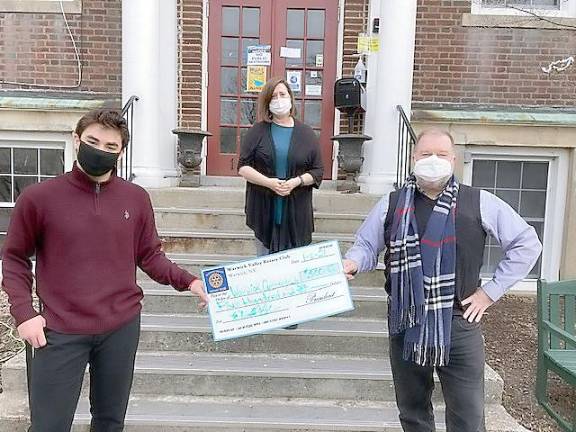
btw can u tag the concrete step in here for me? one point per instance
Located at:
(369, 302)
(229, 242)
(192, 414)
(335, 336)
(194, 263)
(261, 376)
(325, 201)
(235, 220)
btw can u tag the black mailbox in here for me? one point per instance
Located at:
(348, 95)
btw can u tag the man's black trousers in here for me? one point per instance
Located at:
(58, 370)
(462, 382)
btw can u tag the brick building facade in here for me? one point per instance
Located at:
(37, 52)
(457, 61)
(465, 59)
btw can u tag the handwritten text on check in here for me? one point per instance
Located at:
(276, 291)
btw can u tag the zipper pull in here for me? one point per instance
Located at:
(97, 188)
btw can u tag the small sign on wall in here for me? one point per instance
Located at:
(367, 44)
(363, 44)
(374, 44)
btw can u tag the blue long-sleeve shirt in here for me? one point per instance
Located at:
(518, 240)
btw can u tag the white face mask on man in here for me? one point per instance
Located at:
(432, 171)
(280, 106)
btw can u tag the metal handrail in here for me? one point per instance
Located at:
(406, 140)
(129, 104)
(126, 165)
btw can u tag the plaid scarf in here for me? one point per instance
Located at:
(422, 273)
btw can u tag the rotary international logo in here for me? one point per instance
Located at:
(216, 280)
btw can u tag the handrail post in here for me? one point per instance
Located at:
(128, 114)
(406, 141)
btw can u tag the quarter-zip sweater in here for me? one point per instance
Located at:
(88, 239)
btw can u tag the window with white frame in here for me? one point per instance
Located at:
(23, 164)
(528, 4)
(41, 6)
(533, 181)
(523, 186)
(549, 8)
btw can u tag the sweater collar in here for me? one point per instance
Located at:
(80, 179)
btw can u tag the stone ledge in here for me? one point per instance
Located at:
(516, 21)
(539, 118)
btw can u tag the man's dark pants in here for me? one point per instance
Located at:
(462, 383)
(58, 370)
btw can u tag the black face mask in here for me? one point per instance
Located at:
(96, 162)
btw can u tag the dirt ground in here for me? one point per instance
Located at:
(511, 348)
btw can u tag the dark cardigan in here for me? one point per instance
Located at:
(304, 156)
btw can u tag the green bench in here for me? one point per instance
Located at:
(556, 342)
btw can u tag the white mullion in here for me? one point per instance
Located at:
(521, 189)
(12, 179)
(38, 161)
(494, 187)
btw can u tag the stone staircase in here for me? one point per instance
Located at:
(327, 375)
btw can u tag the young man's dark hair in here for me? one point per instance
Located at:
(108, 118)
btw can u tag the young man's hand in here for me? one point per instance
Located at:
(478, 303)
(350, 268)
(32, 331)
(197, 288)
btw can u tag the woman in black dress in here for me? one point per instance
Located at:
(280, 159)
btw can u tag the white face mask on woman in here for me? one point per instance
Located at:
(432, 172)
(280, 106)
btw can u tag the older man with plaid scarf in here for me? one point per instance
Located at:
(433, 232)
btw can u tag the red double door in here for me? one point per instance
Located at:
(303, 39)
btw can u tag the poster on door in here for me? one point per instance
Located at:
(294, 79)
(255, 78)
(258, 55)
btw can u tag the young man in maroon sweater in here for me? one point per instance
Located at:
(89, 230)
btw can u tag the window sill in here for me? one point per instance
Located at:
(41, 6)
(514, 21)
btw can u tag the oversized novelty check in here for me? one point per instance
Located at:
(278, 290)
